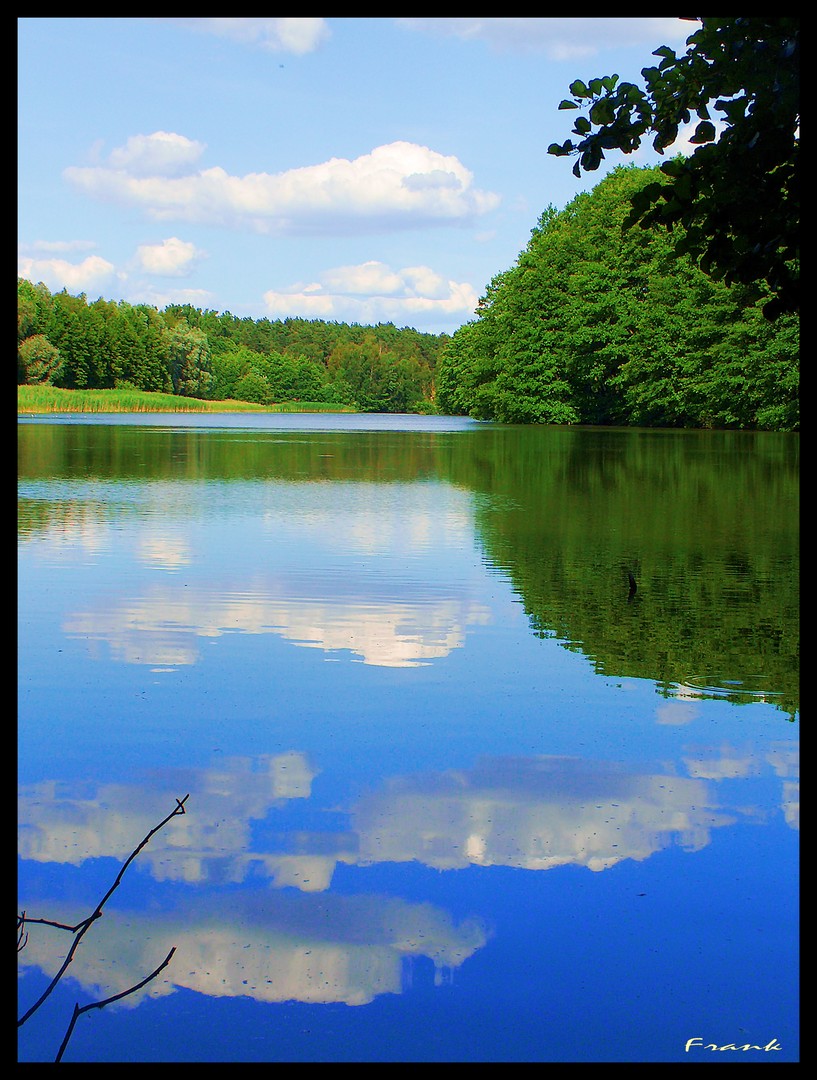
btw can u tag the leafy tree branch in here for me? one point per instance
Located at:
(738, 195)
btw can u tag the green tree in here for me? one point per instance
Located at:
(150, 365)
(77, 371)
(189, 353)
(279, 369)
(38, 361)
(229, 365)
(737, 196)
(252, 386)
(362, 369)
(35, 309)
(309, 379)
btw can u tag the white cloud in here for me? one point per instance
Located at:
(163, 153)
(372, 292)
(297, 36)
(558, 39)
(399, 185)
(169, 258)
(59, 274)
(368, 277)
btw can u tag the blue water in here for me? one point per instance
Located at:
(416, 830)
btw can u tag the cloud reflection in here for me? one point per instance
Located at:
(275, 947)
(163, 627)
(536, 814)
(533, 813)
(305, 943)
(65, 823)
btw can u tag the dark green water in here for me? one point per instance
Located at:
(490, 735)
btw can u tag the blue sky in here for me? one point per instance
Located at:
(356, 170)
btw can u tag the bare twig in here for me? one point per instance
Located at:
(22, 933)
(79, 1010)
(82, 927)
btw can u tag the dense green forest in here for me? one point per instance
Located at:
(596, 324)
(68, 342)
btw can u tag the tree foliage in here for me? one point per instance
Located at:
(737, 196)
(189, 352)
(596, 324)
(37, 359)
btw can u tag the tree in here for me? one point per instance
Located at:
(35, 309)
(38, 361)
(252, 386)
(230, 364)
(737, 196)
(189, 360)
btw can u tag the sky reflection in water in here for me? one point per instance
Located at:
(380, 756)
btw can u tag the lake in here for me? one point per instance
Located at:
(490, 736)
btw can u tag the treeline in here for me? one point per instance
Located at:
(66, 341)
(596, 325)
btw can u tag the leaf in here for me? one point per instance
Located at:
(566, 104)
(609, 141)
(704, 132)
(578, 89)
(602, 112)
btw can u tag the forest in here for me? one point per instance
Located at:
(605, 325)
(594, 324)
(66, 341)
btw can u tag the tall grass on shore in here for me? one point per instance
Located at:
(54, 399)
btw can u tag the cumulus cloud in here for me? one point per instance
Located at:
(169, 258)
(558, 39)
(372, 292)
(60, 274)
(163, 153)
(297, 36)
(399, 185)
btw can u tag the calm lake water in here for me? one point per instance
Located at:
(457, 792)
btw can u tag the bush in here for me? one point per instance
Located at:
(38, 361)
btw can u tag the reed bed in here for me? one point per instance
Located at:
(54, 399)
